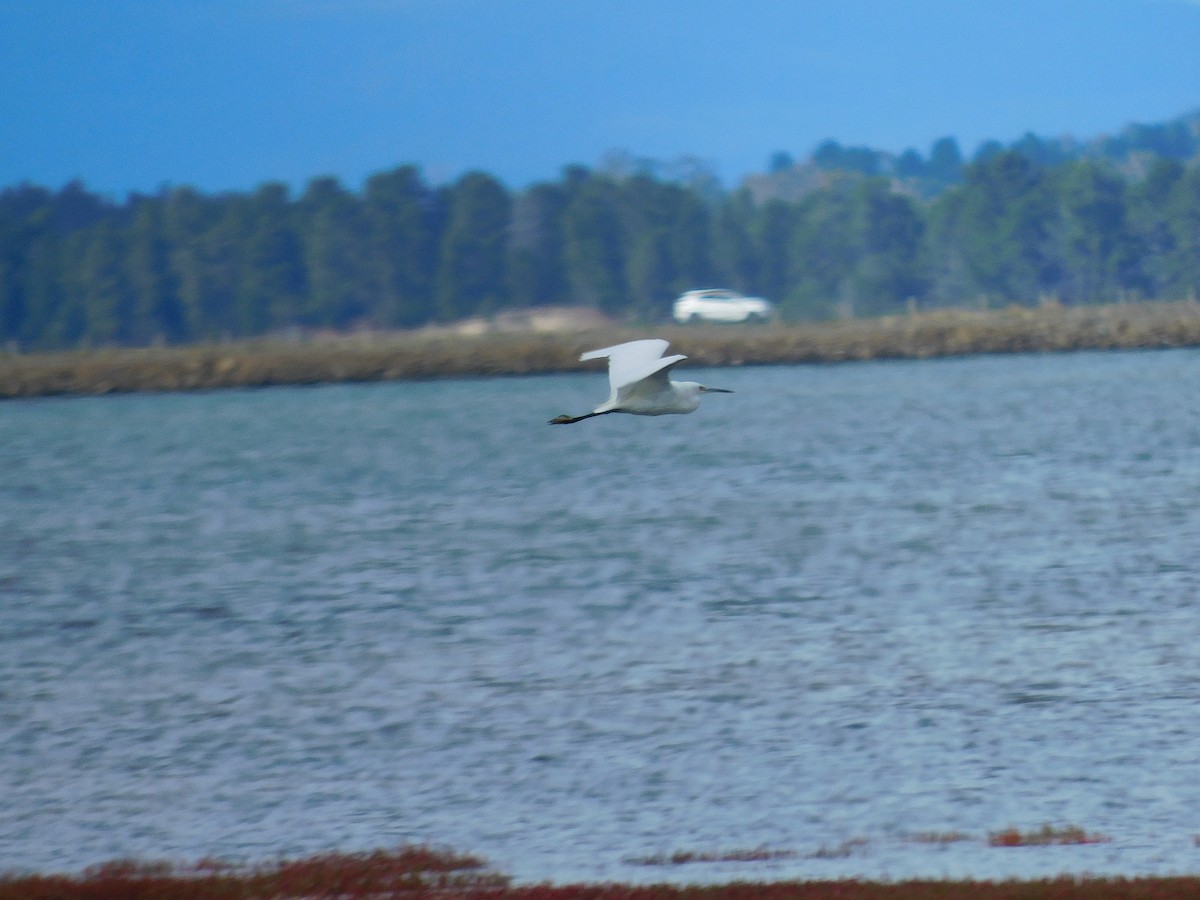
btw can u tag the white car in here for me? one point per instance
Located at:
(721, 306)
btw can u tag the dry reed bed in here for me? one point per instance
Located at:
(389, 357)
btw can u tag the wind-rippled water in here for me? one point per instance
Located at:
(841, 607)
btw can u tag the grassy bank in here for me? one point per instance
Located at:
(416, 873)
(387, 357)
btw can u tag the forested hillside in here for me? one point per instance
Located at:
(852, 237)
(1132, 151)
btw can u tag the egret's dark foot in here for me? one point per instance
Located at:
(561, 420)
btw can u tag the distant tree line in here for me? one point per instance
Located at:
(181, 266)
(1129, 151)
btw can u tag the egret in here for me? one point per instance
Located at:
(637, 377)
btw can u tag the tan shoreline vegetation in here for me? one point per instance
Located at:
(529, 344)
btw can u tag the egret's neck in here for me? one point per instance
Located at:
(687, 393)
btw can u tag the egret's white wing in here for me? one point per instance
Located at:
(633, 361)
(655, 385)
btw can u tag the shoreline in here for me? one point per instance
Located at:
(422, 873)
(407, 356)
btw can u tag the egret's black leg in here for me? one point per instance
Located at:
(571, 420)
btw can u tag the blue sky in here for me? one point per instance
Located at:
(137, 94)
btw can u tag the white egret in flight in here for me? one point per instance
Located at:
(637, 376)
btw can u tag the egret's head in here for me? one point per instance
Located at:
(708, 390)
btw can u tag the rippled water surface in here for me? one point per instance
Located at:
(841, 607)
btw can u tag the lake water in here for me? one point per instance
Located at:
(836, 609)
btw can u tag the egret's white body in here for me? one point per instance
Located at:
(638, 382)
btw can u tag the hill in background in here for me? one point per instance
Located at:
(1132, 151)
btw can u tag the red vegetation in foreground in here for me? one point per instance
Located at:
(417, 873)
(410, 872)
